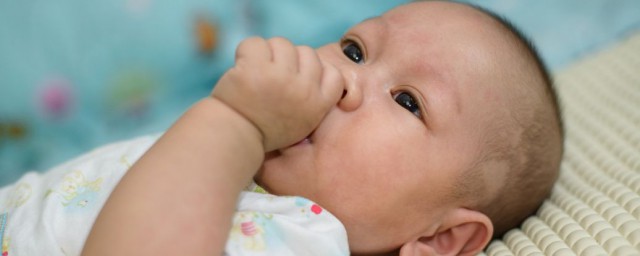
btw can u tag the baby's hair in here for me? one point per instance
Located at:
(533, 162)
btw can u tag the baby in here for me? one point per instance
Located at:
(427, 130)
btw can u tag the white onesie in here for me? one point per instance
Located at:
(52, 213)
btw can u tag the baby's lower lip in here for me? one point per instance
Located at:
(299, 143)
(304, 141)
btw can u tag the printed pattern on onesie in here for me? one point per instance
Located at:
(52, 213)
(266, 224)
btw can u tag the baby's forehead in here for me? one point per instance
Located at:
(460, 26)
(434, 14)
(463, 25)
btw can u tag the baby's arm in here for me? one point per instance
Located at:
(179, 198)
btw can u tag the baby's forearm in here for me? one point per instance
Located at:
(179, 198)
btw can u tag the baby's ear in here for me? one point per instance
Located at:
(461, 232)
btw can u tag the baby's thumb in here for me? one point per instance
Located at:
(332, 85)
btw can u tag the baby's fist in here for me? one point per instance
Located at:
(284, 90)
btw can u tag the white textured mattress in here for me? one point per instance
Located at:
(595, 207)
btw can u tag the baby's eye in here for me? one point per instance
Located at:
(352, 50)
(407, 101)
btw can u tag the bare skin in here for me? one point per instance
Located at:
(215, 148)
(279, 94)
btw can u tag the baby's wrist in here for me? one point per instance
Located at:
(231, 118)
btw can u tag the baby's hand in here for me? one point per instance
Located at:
(284, 90)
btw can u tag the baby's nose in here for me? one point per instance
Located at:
(351, 95)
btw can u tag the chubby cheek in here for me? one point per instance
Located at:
(367, 165)
(366, 186)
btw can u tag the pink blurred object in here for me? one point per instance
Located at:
(56, 97)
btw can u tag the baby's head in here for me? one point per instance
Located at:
(448, 131)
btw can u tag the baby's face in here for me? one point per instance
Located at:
(421, 83)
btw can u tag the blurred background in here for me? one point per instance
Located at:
(76, 74)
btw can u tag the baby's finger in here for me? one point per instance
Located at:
(284, 53)
(309, 63)
(254, 49)
(332, 83)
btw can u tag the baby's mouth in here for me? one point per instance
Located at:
(305, 140)
(278, 153)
